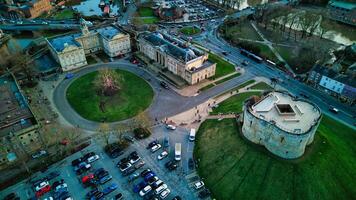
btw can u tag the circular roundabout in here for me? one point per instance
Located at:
(130, 96)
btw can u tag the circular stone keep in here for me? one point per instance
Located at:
(134, 97)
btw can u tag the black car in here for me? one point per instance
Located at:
(205, 193)
(76, 162)
(128, 171)
(53, 175)
(145, 172)
(99, 171)
(56, 183)
(118, 196)
(171, 165)
(114, 151)
(151, 144)
(11, 196)
(164, 85)
(304, 95)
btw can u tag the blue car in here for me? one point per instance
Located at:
(105, 179)
(139, 186)
(149, 175)
(111, 188)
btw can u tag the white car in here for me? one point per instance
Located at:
(39, 154)
(155, 148)
(198, 185)
(161, 188)
(61, 186)
(93, 158)
(41, 185)
(162, 155)
(171, 127)
(145, 190)
(165, 194)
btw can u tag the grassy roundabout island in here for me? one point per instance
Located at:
(190, 30)
(133, 97)
(236, 169)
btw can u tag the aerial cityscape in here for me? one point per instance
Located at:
(177, 99)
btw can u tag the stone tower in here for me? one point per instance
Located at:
(84, 27)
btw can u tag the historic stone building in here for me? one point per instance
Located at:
(280, 122)
(35, 8)
(19, 134)
(177, 56)
(70, 50)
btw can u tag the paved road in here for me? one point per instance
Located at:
(213, 42)
(165, 103)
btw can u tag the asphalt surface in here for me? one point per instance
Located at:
(175, 180)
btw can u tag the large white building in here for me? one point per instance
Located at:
(70, 50)
(280, 122)
(177, 56)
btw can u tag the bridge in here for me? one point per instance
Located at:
(39, 24)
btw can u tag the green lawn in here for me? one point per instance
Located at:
(65, 14)
(234, 103)
(227, 78)
(223, 67)
(243, 30)
(261, 86)
(134, 97)
(236, 169)
(149, 20)
(190, 30)
(145, 12)
(238, 87)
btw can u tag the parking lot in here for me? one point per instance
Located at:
(179, 181)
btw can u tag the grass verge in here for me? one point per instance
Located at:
(223, 67)
(233, 104)
(232, 167)
(227, 78)
(261, 86)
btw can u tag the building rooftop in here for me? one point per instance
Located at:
(60, 43)
(15, 113)
(286, 112)
(109, 32)
(172, 46)
(343, 4)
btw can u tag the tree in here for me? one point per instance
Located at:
(104, 131)
(108, 82)
(20, 64)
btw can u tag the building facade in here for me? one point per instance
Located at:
(178, 57)
(343, 11)
(331, 84)
(70, 50)
(281, 123)
(35, 8)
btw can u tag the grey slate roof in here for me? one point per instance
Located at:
(60, 42)
(108, 32)
(165, 44)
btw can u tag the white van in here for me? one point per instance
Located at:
(192, 135)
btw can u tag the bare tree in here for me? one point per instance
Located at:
(108, 82)
(104, 131)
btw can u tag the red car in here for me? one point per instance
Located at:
(43, 191)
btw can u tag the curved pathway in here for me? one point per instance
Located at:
(165, 103)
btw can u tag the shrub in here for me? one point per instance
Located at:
(141, 133)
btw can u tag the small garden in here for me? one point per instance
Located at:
(190, 30)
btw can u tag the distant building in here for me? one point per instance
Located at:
(342, 86)
(19, 134)
(35, 8)
(70, 50)
(343, 11)
(177, 56)
(281, 123)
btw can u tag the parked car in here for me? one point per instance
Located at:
(166, 142)
(177, 198)
(134, 176)
(134, 158)
(128, 171)
(118, 196)
(152, 180)
(105, 179)
(11, 196)
(157, 184)
(149, 176)
(155, 148)
(145, 190)
(140, 164)
(110, 189)
(43, 191)
(171, 165)
(198, 185)
(62, 186)
(145, 172)
(76, 162)
(165, 193)
(41, 185)
(129, 138)
(333, 110)
(39, 154)
(191, 163)
(93, 158)
(245, 62)
(139, 186)
(88, 155)
(151, 144)
(161, 188)
(162, 155)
